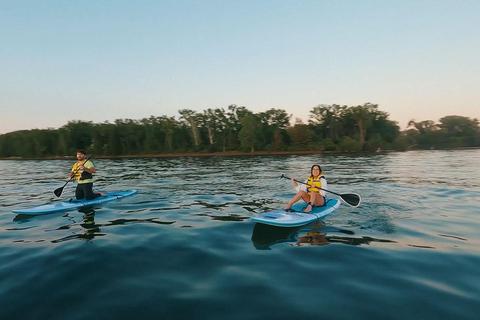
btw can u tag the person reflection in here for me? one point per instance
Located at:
(313, 239)
(91, 229)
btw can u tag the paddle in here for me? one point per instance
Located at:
(58, 191)
(352, 199)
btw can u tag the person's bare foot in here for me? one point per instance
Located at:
(308, 208)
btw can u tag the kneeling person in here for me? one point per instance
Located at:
(83, 172)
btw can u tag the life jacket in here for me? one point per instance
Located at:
(83, 176)
(314, 184)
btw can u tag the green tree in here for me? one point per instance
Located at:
(423, 126)
(461, 131)
(234, 116)
(210, 120)
(301, 136)
(328, 120)
(192, 118)
(223, 127)
(348, 144)
(80, 134)
(64, 143)
(364, 116)
(6, 146)
(429, 135)
(170, 126)
(274, 123)
(113, 145)
(249, 133)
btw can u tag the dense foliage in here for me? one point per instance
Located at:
(330, 128)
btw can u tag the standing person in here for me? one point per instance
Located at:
(310, 193)
(83, 172)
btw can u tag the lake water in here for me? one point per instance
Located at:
(185, 247)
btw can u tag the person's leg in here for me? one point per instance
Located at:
(100, 193)
(300, 195)
(89, 194)
(316, 200)
(79, 194)
(319, 200)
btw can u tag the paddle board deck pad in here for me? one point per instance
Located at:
(74, 204)
(282, 218)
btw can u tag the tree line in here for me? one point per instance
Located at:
(336, 128)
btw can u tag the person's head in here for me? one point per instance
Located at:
(316, 170)
(81, 153)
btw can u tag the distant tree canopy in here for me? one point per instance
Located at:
(330, 128)
(451, 132)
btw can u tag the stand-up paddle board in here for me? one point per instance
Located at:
(297, 217)
(74, 204)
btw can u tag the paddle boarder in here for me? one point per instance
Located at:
(310, 192)
(83, 171)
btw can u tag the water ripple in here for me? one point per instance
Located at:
(185, 247)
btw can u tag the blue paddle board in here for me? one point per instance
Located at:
(282, 218)
(74, 204)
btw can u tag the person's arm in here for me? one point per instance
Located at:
(295, 184)
(71, 175)
(299, 187)
(88, 167)
(324, 186)
(89, 170)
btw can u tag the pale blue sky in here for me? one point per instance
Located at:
(106, 60)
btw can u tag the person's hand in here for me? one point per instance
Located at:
(294, 182)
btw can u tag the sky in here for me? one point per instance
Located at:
(105, 60)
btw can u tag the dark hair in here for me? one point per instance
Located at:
(82, 151)
(315, 165)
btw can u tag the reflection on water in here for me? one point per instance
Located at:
(90, 229)
(264, 236)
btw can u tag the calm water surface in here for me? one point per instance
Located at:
(185, 247)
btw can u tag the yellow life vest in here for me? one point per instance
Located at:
(83, 176)
(314, 184)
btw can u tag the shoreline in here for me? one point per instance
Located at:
(227, 154)
(186, 154)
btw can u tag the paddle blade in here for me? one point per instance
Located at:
(58, 192)
(352, 199)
